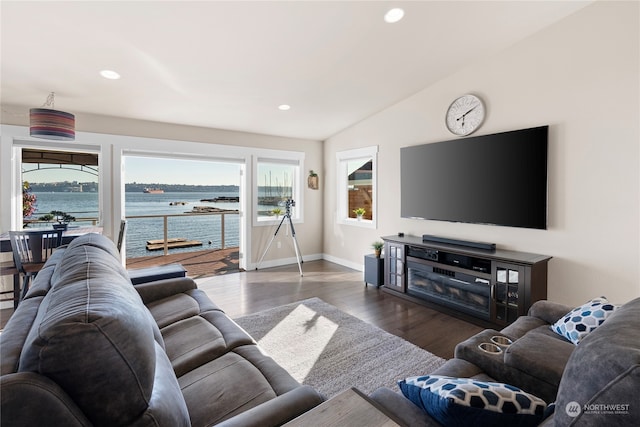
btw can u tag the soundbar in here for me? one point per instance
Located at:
(467, 243)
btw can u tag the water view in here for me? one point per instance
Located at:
(205, 229)
(154, 186)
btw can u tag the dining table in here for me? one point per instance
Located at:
(7, 264)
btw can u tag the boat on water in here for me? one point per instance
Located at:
(153, 190)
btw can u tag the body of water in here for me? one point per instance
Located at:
(204, 228)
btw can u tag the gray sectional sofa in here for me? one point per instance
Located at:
(593, 383)
(86, 347)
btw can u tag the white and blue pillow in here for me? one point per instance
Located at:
(579, 322)
(468, 402)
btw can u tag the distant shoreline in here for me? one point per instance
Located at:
(65, 187)
(82, 187)
(182, 188)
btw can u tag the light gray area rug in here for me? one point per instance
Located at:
(330, 350)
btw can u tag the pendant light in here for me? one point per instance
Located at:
(48, 123)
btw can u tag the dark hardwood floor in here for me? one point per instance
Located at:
(243, 293)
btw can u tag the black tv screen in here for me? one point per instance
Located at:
(498, 179)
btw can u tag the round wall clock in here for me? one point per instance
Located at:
(465, 115)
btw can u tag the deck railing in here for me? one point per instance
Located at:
(93, 220)
(166, 217)
(80, 217)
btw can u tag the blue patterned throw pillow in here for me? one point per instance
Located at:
(467, 402)
(576, 324)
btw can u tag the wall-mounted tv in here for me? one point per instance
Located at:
(498, 179)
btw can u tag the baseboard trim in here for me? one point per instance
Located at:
(313, 257)
(350, 264)
(284, 261)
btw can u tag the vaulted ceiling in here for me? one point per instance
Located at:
(230, 64)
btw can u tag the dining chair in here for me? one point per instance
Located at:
(31, 249)
(121, 235)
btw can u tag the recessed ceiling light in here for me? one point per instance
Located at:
(110, 74)
(284, 107)
(394, 15)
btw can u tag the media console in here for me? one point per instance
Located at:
(491, 287)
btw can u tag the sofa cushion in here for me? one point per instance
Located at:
(95, 243)
(465, 401)
(604, 370)
(173, 309)
(42, 282)
(15, 334)
(542, 357)
(196, 340)
(548, 311)
(277, 411)
(29, 399)
(233, 383)
(461, 368)
(522, 326)
(166, 405)
(579, 322)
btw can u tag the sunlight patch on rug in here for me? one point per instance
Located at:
(312, 333)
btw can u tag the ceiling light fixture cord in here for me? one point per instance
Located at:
(50, 102)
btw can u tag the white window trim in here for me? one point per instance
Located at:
(342, 203)
(16, 183)
(292, 158)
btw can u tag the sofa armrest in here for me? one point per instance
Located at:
(156, 272)
(402, 410)
(460, 368)
(277, 411)
(549, 311)
(154, 291)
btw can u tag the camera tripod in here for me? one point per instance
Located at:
(287, 216)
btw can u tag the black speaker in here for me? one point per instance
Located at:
(457, 242)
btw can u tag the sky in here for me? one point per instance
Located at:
(147, 171)
(172, 171)
(30, 173)
(158, 170)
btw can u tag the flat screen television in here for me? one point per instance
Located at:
(498, 179)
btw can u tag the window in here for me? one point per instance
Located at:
(357, 186)
(59, 186)
(277, 187)
(200, 202)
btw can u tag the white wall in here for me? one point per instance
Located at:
(579, 76)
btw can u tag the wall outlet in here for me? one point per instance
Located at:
(278, 244)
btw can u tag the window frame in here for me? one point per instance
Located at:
(17, 178)
(342, 186)
(295, 159)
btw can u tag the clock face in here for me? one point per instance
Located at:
(465, 115)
